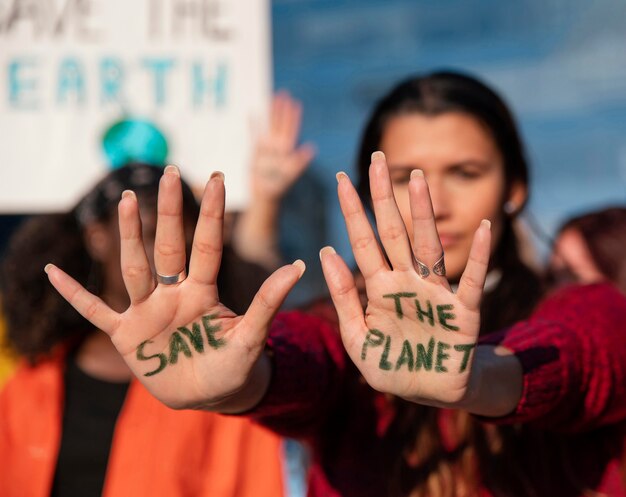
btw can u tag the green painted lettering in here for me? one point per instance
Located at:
(177, 345)
(466, 349)
(444, 316)
(142, 357)
(396, 298)
(406, 356)
(384, 362)
(370, 342)
(428, 313)
(441, 356)
(210, 330)
(194, 335)
(425, 359)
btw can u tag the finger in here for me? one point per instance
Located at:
(279, 121)
(169, 243)
(368, 255)
(391, 228)
(292, 122)
(302, 158)
(473, 279)
(426, 244)
(88, 305)
(345, 296)
(276, 112)
(206, 253)
(136, 269)
(284, 110)
(268, 300)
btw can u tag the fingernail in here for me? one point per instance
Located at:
(327, 250)
(378, 155)
(486, 223)
(300, 265)
(341, 175)
(218, 174)
(48, 267)
(172, 170)
(128, 194)
(417, 173)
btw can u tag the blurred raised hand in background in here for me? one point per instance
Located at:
(277, 163)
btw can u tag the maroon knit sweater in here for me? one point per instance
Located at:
(573, 354)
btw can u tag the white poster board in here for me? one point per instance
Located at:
(197, 69)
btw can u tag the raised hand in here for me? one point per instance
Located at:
(416, 339)
(278, 162)
(183, 345)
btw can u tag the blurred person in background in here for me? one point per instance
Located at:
(277, 163)
(73, 422)
(590, 248)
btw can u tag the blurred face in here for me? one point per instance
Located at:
(105, 247)
(465, 174)
(571, 260)
(114, 291)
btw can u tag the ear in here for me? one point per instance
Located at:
(97, 241)
(518, 193)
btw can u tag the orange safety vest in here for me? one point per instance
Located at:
(155, 451)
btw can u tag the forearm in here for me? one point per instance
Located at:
(308, 375)
(255, 235)
(570, 352)
(495, 383)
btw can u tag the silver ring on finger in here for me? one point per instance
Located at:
(174, 279)
(439, 268)
(422, 269)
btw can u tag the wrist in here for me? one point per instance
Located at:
(260, 215)
(253, 390)
(255, 234)
(264, 204)
(495, 382)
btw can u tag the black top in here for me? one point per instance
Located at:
(90, 414)
(239, 280)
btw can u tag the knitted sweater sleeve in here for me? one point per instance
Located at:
(309, 365)
(573, 356)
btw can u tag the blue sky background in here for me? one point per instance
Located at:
(561, 64)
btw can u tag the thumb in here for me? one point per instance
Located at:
(268, 300)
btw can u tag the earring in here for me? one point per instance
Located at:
(509, 207)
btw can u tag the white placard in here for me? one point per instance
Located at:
(198, 69)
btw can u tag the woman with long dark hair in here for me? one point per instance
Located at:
(461, 134)
(416, 342)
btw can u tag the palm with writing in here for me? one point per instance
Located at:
(416, 338)
(183, 345)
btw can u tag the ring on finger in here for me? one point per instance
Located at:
(439, 268)
(174, 279)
